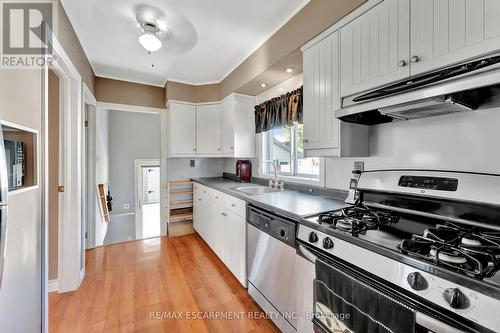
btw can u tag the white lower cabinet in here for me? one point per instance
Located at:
(220, 220)
(234, 246)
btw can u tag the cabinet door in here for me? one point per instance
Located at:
(235, 255)
(304, 285)
(182, 129)
(321, 94)
(227, 125)
(208, 133)
(375, 47)
(217, 229)
(444, 32)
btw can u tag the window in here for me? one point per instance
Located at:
(285, 147)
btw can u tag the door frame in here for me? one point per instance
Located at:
(69, 275)
(88, 170)
(139, 163)
(163, 149)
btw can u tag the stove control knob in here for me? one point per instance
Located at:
(417, 281)
(456, 299)
(313, 238)
(327, 243)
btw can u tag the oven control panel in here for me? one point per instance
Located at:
(429, 183)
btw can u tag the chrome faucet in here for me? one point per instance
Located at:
(274, 183)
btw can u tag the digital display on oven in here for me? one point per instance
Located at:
(429, 183)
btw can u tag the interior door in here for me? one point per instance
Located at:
(182, 129)
(444, 32)
(375, 47)
(149, 219)
(208, 129)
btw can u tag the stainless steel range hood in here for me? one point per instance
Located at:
(465, 87)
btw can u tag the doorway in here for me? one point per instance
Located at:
(147, 217)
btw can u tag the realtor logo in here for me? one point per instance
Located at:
(27, 29)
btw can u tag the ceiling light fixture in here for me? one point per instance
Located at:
(150, 42)
(289, 70)
(263, 85)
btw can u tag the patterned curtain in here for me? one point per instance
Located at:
(280, 111)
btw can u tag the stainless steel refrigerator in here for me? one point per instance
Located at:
(20, 255)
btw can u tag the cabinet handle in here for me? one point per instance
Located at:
(402, 63)
(415, 59)
(306, 141)
(219, 149)
(194, 149)
(216, 197)
(231, 147)
(199, 199)
(233, 205)
(223, 214)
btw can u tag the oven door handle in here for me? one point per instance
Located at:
(306, 253)
(434, 324)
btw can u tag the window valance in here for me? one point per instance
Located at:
(279, 111)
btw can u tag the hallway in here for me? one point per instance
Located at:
(126, 282)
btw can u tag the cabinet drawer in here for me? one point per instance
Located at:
(217, 196)
(235, 205)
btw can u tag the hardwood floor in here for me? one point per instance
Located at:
(125, 283)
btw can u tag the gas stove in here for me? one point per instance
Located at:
(434, 234)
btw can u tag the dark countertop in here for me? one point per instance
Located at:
(290, 203)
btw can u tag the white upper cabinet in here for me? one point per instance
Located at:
(225, 129)
(445, 32)
(375, 47)
(324, 135)
(208, 120)
(181, 129)
(238, 126)
(227, 126)
(321, 94)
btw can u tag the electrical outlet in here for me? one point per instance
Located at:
(191, 163)
(359, 166)
(126, 206)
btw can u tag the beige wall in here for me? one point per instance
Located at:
(123, 92)
(71, 45)
(53, 172)
(191, 93)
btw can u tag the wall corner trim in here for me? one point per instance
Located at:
(53, 285)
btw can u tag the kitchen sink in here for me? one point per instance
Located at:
(256, 190)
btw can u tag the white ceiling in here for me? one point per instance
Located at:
(207, 38)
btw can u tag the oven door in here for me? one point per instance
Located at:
(330, 315)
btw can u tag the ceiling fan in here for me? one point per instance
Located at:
(153, 30)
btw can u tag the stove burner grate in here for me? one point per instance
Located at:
(479, 261)
(357, 219)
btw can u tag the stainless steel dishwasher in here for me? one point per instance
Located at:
(271, 266)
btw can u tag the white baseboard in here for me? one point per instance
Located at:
(53, 285)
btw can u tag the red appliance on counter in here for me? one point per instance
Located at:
(243, 171)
